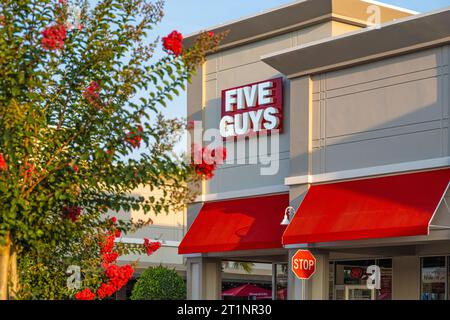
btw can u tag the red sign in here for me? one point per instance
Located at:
(252, 108)
(303, 264)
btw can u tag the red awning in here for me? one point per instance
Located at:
(231, 225)
(248, 290)
(393, 206)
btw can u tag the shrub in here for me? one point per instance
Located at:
(159, 283)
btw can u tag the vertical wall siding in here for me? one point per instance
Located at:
(391, 111)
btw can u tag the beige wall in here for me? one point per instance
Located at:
(165, 226)
(391, 111)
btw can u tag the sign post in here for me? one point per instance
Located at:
(303, 264)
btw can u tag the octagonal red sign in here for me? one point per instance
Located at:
(303, 264)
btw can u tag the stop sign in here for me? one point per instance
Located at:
(303, 264)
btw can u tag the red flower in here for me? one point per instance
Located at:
(173, 43)
(117, 233)
(134, 137)
(106, 290)
(3, 164)
(107, 245)
(72, 213)
(151, 247)
(209, 160)
(117, 278)
(28, 170)
(75, 168)
(210, 34)
(109, 258)
(91, 92)
(114, 220)
(220, 153)
(53, 37)
(86, 294)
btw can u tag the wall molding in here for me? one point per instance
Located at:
(242, 193)
(369, 171)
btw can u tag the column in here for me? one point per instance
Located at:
(204, 278)
(320, 280)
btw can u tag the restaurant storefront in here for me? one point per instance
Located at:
(350, 102)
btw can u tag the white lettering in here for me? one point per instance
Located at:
(250, 95)
(256, 119)
(240, 99)
(272, 121)
(226, 127)
(264, 93)
(241, 124)
(230, 100)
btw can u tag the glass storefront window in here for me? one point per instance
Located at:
(281, 279)
(385, 291)
(434, 278)
(348, 280)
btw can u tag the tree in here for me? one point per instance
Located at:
(159, 283)
(80, 93)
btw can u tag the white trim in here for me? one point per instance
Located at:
(254, 15)
(350, 34)
(164, 243)
(390, 6)
(430, 225)
(369, 171)
(290, 4)
(242, 193)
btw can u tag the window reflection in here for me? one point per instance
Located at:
(348, 280)
(434, 277)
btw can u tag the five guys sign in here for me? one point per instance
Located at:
(252, 108)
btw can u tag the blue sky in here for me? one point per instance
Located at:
(188, 16)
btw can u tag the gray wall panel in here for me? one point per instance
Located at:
(391, 111)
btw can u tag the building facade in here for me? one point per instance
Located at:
(362, 153)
